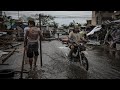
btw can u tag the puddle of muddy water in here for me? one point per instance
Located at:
(103, 63)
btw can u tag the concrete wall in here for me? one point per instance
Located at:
(93, 18)
(89, 22)
(116, 15)
(99, 16)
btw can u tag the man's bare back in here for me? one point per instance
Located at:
(33, 34)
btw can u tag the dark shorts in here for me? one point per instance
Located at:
(32, 50)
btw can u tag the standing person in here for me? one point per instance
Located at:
(83, 36)
(57, 34)
(25, 30)
(31, 43)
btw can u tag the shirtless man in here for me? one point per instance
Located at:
(31, 43)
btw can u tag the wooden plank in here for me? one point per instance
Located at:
(2, 53)
(7, 56)
(9, 30)
(22, 72)
(4, 64)
(11, 50)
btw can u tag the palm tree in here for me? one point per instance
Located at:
(71, 24)
(65, 26)
(30, 18)
(85, 24)
(18, 14)
(55, 24)
(79, 24)
(45, 19)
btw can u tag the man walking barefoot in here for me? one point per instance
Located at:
(31, 43)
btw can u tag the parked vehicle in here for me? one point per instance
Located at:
(46, 32)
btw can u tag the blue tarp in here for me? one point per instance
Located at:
(23, 26)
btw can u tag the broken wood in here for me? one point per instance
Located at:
(22, 68)
(22, 72)
(7, 50)
(4, 64)
(8, 55)
(10, 51)
(10, 30)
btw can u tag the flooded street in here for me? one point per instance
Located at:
(102, 64)
(100, 29)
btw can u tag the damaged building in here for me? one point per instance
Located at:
(98, 17)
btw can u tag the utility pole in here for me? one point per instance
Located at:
(18, 14)
(40, 41)
(40, 17)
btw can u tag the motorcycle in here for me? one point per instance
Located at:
(78, 54)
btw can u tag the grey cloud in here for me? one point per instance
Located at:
(82, 14)
(54, 13)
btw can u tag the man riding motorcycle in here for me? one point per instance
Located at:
(75, 36)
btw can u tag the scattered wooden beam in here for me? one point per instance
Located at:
(10, 51)
(8, 55)
(4, 64)
(22, 72)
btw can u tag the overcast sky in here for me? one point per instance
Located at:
(83, 14)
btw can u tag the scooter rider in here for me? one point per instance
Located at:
(74, 36)
(77, 36)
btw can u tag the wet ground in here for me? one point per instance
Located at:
(103, 64)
